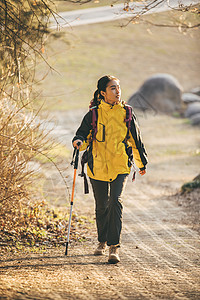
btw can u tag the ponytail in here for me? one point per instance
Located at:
(95, 101)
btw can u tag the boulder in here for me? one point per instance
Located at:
(196, 91)
(160, 92)
(192, 109)
(195, 119)
(189, 98)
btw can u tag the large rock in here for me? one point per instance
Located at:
(160, 92)
(189, 98)
(196, 91)
(192, 109)
(195, 119)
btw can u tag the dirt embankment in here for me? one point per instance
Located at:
(159, 248)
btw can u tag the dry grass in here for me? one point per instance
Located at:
(20, 140)
(132, 53)
(23, 135)
(66, 6)
(26, 218)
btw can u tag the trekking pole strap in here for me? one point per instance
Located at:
(83, 162)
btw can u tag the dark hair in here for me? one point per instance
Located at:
(101, 86)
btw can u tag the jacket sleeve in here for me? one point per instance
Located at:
(139, 152)
(84, 131)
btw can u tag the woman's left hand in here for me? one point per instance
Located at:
(142, 172)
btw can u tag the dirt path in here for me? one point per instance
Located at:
(159, 254)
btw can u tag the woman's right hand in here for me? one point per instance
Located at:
(77, 143)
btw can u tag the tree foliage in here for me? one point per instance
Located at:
(23, 25)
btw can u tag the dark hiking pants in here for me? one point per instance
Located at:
(109, 208)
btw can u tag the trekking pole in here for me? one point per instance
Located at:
(75, 163)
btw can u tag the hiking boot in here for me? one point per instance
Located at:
(114, 254)
(100, 250)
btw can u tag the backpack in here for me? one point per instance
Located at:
(84, 158)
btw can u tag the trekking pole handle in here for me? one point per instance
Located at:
(78, 144)
(76, 157)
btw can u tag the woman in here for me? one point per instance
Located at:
(108, 161)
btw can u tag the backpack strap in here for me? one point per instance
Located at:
(128, 118)
(84, 160)
(94, 122)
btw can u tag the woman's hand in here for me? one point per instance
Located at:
(142, 172)
(77, 144)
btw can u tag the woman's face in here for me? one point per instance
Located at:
(112, 95)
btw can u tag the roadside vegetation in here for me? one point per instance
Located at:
(27, 150)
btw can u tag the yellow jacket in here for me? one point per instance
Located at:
(107, 155)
